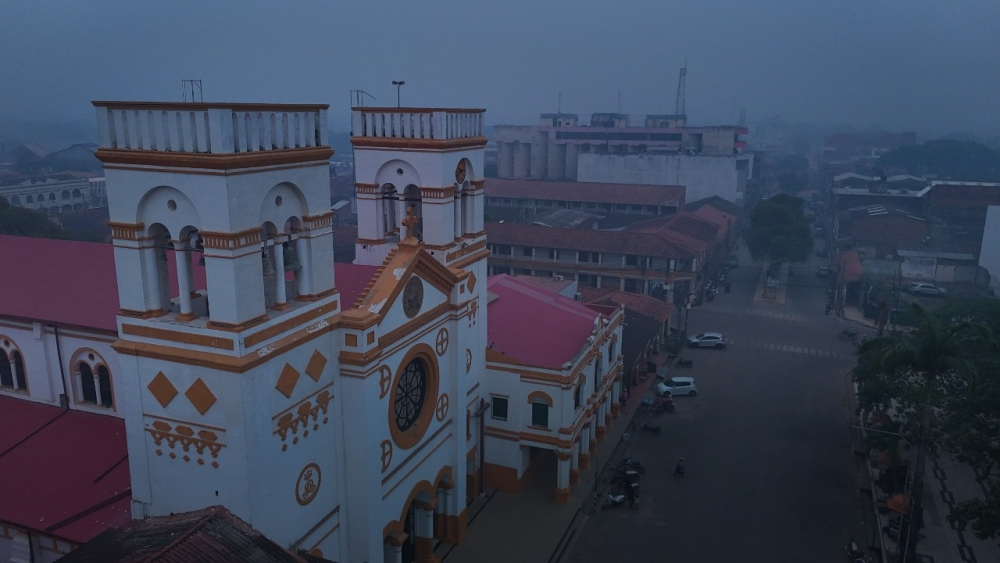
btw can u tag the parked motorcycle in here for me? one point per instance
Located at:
(854, 552)
(613, 500)
(625, 477)
(650, 429)
(633, 465)
(682, 363)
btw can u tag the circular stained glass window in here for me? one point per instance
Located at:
(411, 391)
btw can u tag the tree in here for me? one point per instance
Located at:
(779, 230)
(915, 373)
(24, 222)
(958, 160)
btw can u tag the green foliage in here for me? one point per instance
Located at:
(939, 379)
(984, 310)
(945, 158)
(983, 514)
(26, 223)
(779, 230)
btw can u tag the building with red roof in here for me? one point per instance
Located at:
(554, 369)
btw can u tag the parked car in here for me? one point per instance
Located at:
(824, 271)
(733, 262)
(676, 386)
(921, 288)
(707, 340)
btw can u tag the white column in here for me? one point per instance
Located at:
(182, 258)
(562, 478)
(392, 552)
(279, 265)
(97, 387)
(459, 212)
(302, 253)
(574, 462)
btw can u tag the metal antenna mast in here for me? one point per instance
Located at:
(679, 108)
(192, 85)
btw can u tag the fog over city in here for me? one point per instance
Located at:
(924, 65)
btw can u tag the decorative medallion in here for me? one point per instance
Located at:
(384, 380)
(308, 484)
(441, 342)
(441, 409)
(386, 454)
(413, 296)
(411, 392)
(468, 360)
(460, 172)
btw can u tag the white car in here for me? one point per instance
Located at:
(677, 386)
(920, 288)
(707, 340)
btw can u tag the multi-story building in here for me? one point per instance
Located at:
(54, 193)
(516, 199)
(551, 150)
(554, 372)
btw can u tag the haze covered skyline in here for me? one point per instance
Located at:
(922, 65)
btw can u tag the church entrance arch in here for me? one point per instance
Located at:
(411, 538)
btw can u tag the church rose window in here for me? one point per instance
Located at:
(411, 392)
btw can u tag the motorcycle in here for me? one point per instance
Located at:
(665, 404)
(682, 363)
(650, 429)
(625, 477)
(633, 465)
(849, 334)
(613, 500)
(854, 552)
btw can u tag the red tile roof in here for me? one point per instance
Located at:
(534, 326)
(66, 472)
(719, 218)
(622, 242)
(850, 266)
(687, 227)
(73, 283)
(643, 304)
(632, 194)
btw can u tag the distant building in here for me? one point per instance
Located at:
(958, 211)
(850, 147)
(55, 193)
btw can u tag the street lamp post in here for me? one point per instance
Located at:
(398, 84)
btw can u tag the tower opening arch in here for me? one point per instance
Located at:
(168, 206)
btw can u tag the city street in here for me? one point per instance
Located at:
(770, 475)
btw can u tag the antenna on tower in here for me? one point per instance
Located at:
(194, 85)
(357, 98)
(679, 108)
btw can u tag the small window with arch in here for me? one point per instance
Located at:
(92, 379)
(12, 376)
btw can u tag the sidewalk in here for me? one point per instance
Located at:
(530, 526)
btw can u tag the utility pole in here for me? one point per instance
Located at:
(398, 84)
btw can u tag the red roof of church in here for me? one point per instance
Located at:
(536, 326)
(73, 283)
(66, 471)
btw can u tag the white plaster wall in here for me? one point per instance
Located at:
(702, 176)
(989, 255)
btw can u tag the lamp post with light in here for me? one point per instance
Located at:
(398, 84)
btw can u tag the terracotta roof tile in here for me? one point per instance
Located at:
(642, 304)
(622, 242)
(631, 194)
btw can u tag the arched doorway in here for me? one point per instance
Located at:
(411, 538)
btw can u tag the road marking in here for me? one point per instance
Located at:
(754, 313)
(789, 349)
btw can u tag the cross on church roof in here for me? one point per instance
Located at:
(410, 221)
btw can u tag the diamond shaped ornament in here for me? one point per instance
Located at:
(161, 388)
(287, 380)
(316, 364)
(200, 396)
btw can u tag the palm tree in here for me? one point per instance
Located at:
(915, 370)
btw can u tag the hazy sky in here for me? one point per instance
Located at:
(913, 64)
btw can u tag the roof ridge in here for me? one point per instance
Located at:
(378, 273)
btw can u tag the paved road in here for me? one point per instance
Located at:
(770, 474)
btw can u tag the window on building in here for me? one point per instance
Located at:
(503, 249)
(576, 205)
(12, 368)
(631, 260)
(77, 193)
(528, 251)
(598, 373)
(28, 199)
(637, 208)
(621, 207)
(95, 388)
(15, 200)
(65, 194)
(87, 385)
(577, 396)
(611, 352)
(553, 254)
(499, 408)
(591, 205)
(540, 413)
(584, 278)
(52, 196)
(631, 285)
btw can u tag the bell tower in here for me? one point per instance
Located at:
(223, 249)
(429, 160)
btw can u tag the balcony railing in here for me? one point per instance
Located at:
(417, 123)
(210, 128)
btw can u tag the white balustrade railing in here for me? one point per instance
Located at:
(409, 123)
(210, 128)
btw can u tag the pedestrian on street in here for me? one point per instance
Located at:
(679, 470)
(630, 493)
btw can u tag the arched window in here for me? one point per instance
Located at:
(77, 193)
(611, 351)
(65, 194)
(577, 396)
(598, 373)
(15, 200)
(88, 389)
(11, 366)
(390, 200)
(29, 199)
(52, 196)
(92, 379)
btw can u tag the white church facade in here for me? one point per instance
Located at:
(349, 425)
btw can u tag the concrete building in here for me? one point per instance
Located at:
(989, 257)
(551, 149)
(701, 174)
(55, 193)
(554, 373)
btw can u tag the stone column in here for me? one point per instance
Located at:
(182, 258)
(392, 550)
(607, 408)
(562, 478)
(302, 253)
(423, 531)
(280, 299)
(599, 420)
